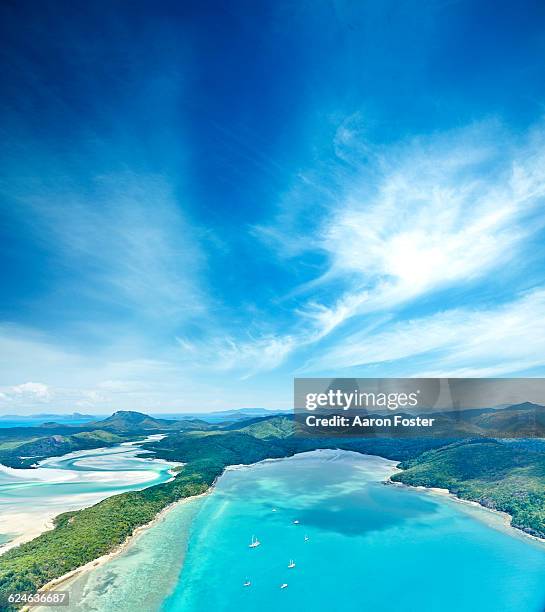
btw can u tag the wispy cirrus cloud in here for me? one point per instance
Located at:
(431, 213)
(154, 187)
(244, 356)
(411, 218)
(491, 341)
(125, 241)
(406, 220)
(119, 378)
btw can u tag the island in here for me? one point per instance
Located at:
(505, 475)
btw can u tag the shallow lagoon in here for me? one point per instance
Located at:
(31, 498)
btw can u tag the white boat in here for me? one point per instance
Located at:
(306, 538)
(291, 564)
(247, 583)
(296, 522)
(274, 509)
(254, 543)
(284, 585)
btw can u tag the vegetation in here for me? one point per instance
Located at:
(80, 537)
(23, 447)
(500, 475)
(23, 454)
(129, 422)
(220, 448)
(508, 476)
(271, 427)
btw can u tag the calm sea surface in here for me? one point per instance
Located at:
(369, 547)
(40, 420)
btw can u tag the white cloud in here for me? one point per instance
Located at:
(411, 218)
(74, 378)
(434, 212)
(460, 342)
(247, 357)
(29, 391)
(116, 379)
(405, 220)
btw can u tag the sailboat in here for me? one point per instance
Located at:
(284, 585)
(291, 564)
(254, 543)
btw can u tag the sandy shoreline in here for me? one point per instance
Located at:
(31, 520)
(33, 524)
(65, 579)
(506, 518)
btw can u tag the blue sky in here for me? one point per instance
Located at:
(201, 200)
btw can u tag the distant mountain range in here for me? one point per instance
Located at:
(224, 415)
(240, 436)
(126, 420)
(28, 442)
(129, 421)
(78, 417)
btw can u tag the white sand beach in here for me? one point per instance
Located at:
(30, 499)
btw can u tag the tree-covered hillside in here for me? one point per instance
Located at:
(22, 454)
(498, 475)
(128, 421)
(84, 535)
(222, 448)
(22, 447)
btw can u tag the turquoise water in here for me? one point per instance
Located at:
(371, 547)
(29, 499)
(138, 579)
(34, 421)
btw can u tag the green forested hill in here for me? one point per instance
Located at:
(498, 475)
(82, 536)
(225, 448)
(22, 447)
(129, 421)
(22, 453)
(267, 428)
(280, 430)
